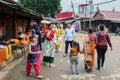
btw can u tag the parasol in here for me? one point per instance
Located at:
(45, 21)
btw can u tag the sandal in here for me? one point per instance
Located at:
(51, 65)
(39, 77)
(30, 75)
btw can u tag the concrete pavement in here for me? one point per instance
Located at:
(61, 71)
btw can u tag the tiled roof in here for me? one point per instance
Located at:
(109, 15)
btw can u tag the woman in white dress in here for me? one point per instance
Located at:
(49, 45)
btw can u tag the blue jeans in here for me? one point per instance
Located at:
(74, 64)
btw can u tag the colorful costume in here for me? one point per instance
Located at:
(27, 38)
(59, 34)
(6, 54)
(88, 50)
(33, 59)
(49, 47)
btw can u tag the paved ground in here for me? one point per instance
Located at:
(61, 71)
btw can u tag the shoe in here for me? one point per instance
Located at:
(64, 55)
(43, 63)
(51, 65)
(30, 75)
(98, 69)
(86, 67)
(39, 77)
(102, 65)
(73, 74)
(90, 70)
(56, 51)
(87, 71)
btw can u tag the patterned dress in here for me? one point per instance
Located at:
(49, 47)
(33, 57)
(33, 60)
(89, 49)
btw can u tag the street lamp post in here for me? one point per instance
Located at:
(90, 2)
(73, 9)
(91, 5)
(85, 11)
(85, 15)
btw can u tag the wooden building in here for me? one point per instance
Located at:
(84, 19)
(110, 19)
(14, 18)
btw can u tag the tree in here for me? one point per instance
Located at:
(46, 7)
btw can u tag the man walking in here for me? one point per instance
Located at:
(69, 36)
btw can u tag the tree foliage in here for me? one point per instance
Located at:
(46, 7)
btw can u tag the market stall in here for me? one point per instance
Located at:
(5, 54)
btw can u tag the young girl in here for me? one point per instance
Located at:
(33, 58)
(74, 58)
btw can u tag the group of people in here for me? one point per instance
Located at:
(53, 36)
(91, 42)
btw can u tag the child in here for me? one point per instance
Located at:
(33, 58)
(74, 57)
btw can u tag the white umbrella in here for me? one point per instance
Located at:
(45, 21)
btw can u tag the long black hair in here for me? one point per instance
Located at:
(76, 44)
(90, 30)
(102, 27)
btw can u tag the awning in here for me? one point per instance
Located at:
(19, 8)
(64, 15)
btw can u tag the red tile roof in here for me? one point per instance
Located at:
(108, 15)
